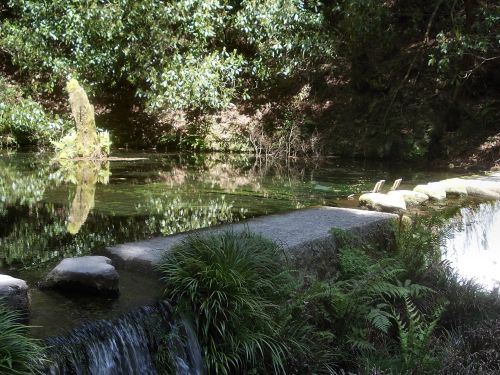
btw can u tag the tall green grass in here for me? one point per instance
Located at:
(19, 354)
(232, 285)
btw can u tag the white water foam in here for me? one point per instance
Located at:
(473, 247)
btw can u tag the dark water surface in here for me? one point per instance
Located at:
(48, 213)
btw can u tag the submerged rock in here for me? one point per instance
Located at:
(14, 293)
(382, 202)
(433, 190)
(93, 274)
(411, 198)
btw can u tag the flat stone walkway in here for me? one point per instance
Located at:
(300, 231)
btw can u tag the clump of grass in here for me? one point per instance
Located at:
(473, 350)
(232, 284)
(19, 354)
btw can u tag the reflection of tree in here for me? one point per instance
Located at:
(176, 215)
(39, 236)
(85, 174)
(23, 182)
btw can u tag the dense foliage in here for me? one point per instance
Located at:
(400, 78)
(174, 54)
(386, 312)
(24, 121)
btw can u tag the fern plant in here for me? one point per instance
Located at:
(415, 333)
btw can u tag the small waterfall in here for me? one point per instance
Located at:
(126, 345)
(473, 246)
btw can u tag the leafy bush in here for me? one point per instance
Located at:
(24, 121)
(18, 354)
(232, 284)
(205, 53)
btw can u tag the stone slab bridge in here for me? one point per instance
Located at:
(305, 234)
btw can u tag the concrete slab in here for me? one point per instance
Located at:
(305, 234)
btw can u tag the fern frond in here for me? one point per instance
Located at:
(380, 319)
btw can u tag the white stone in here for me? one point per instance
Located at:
(382, 202)
(433, 190)
(411, 198)
(456, 186)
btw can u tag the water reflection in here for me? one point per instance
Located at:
(50, 211)
(85, 174)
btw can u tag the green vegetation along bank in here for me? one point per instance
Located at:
(367, 78)
(400, 311)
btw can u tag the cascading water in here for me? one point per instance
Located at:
(473, 244)
(126, 346)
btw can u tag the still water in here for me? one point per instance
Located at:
(48, 212)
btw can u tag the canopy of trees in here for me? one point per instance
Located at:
(401, 70)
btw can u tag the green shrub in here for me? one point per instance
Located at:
(232, 284)
(19, 354)
(24, 121)
(415, 332)
(206, 53)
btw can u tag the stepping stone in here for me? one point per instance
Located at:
(433, 190)
(306, 235)
(383, 202)
(92, 274)
(14, 293)
(411, 198)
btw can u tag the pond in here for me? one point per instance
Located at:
(49, 212)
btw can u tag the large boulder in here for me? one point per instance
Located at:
(433, 190)
(411, 198)
(94, 274)
(382, 202)
(14, 293)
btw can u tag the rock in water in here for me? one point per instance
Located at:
(14, 293)
(93, 274)
(411, 198)
(382, 202)
(433, 190)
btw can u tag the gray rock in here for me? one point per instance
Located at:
(382, 202)
(88, 274)
(410, 197)
(14, 293)
(306, 235)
